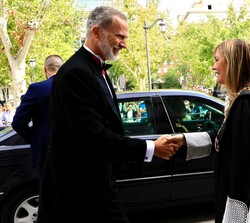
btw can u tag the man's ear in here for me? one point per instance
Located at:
(45, 72)
(96, 31)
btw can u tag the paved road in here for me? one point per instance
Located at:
(202, 213)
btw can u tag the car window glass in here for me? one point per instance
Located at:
(136, 116)
(177, 113)
(192, 114)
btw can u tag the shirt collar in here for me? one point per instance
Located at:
(97, 56)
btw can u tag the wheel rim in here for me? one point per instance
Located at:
(27, 211)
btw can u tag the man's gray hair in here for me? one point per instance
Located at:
(102, 16)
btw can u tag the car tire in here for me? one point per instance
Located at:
(21, 207)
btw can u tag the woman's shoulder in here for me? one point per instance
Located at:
(242, 103)
(245, 92)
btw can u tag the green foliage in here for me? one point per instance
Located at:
(193, 45)
(189, 49)
(133, 60)
(5, 76)
(19, 13)
(171, 80)
(58, 32)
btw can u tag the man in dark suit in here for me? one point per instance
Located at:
(87, 132)
(31, 119)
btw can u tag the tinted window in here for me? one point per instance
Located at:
(192, 114)
(144, 116)
(170, 114)
(136, 116)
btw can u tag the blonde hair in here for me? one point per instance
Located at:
(237, 56)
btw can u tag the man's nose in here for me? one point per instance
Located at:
(123, 44)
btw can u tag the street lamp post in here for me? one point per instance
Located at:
(33, 65)
(163, 29)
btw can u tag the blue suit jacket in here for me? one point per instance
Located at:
(34, 108)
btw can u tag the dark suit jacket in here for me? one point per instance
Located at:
(87, 134)
(34, 107)
(232, 169)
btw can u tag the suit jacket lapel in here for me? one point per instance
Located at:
(114, 94)
(108, 95)
(98, 73)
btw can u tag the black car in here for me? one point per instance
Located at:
(145, 186)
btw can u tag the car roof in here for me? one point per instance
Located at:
(168, 92)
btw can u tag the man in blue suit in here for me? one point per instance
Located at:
(31, 119)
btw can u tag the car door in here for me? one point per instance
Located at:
(15, 160)
(161, 183)
(148, 183)
(193, 179)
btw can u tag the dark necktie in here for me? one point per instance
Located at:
(105, 67)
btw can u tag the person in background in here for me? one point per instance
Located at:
(1, 116)
(143, 112)
(32, 116)
(232, 168)
(216, 90)
(130, 114)
(8, 114)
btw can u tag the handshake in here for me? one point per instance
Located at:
(166, 145)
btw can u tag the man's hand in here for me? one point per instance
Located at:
(178, 139)
(166, 147)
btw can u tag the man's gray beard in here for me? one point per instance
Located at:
(108, 54)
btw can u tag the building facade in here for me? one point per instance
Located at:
(201, 8)
(91, 4)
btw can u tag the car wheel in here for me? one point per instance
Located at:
(21, 207)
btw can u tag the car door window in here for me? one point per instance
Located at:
(177, 113)
(136, 116)
(145, 116)
(192, 114)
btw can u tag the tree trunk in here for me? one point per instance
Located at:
(19, 86)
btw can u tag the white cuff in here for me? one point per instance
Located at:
(150, 151)
(199, 144)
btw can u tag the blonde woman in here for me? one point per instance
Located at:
(232, 168)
